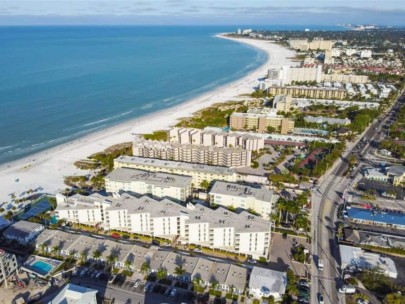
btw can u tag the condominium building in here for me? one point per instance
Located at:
(286, 74)
(261, 122)
(282, 103)
(195, 224)
(344, 78)
(315, 44)
(8, 265)
(210, 138)
(327, 120)
(198, 173)
(226, 156)
(309, 92)
(158, 184)
(243, 197)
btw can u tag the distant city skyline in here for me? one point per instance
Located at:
(220, 12)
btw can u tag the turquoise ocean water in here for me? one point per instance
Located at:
(60, 83)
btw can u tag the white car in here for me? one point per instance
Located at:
(173, 292)
(137, 283)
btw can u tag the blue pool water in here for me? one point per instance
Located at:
(41, 267)
(367, 215)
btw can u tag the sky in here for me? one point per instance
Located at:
(227, 12)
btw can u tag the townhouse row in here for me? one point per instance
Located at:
(206, 272)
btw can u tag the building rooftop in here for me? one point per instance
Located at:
(74, 294)
(21, 229)
(258, 115)
(268, 280)
(237, 277)
(174, 165)
(357, 257)
(329, 120)
(152, 178)
(233, 189)
(396, 170)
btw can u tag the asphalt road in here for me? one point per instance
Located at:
(325, 201)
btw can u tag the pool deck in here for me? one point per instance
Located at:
(32, 259)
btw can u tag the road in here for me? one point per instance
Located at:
(325, 201)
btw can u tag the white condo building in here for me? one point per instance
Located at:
(198, 173)
(158, 184)
(195, 224)
(210, 138)
(243, 197)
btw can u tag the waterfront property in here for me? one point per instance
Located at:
(8, 265)
(243, 197)
(190, 153)
(355, 259)
(199, 173)
(163, 185)
(261, 122)
(212, 137)
(309, 92)
(40, 266)
(194, 224)
(374, 217)
(23, 232)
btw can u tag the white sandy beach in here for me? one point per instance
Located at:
(47, 169)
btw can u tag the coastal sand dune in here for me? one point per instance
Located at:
(46, 170)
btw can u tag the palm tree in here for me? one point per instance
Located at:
(179, 271)
(197, 281)
(128, 264)
(42, 247)
(214, 283)
(96, 254)
(161, 274)
(83, 256)
(55, 250)
(111, 259)
(145, 268)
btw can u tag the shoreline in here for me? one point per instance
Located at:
(46, 169)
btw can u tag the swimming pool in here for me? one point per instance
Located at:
(41, 267)
(383, 217)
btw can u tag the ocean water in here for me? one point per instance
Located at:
(60, 83)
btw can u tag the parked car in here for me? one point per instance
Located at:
(303, 283)
(173, 292)
(98, 274)
(111, 279)
(197, 249)
(125, 236)
(137, 283)
(147, 287)
(320, 298)
(251, 261)
(75, 272)
(115, 235)
(168, 291)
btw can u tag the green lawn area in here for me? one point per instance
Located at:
(157, 135)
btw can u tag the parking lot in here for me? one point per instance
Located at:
(280, 254)
(135, 290)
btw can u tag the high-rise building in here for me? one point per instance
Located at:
(309, 92)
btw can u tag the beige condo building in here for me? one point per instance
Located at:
(209, 155)
(260, 122)
(297, 91)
